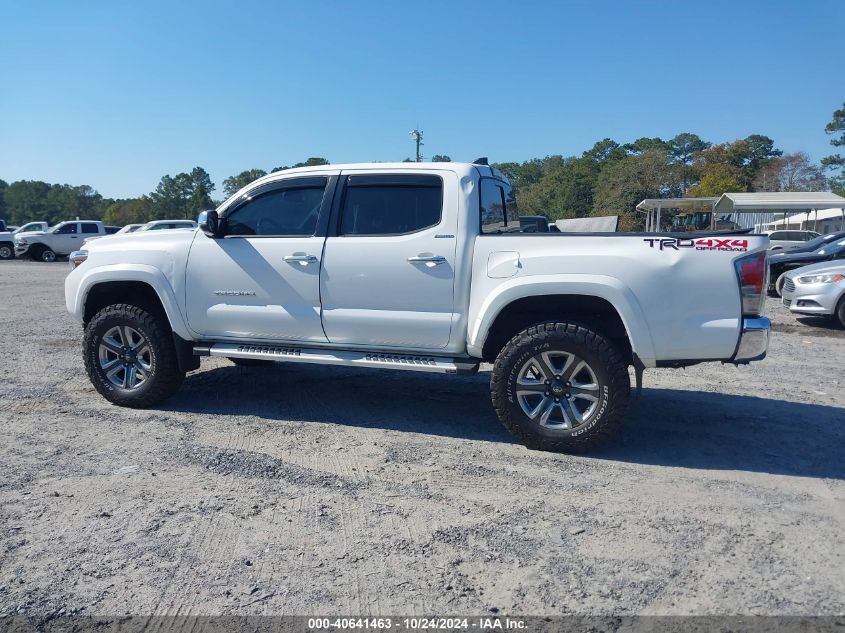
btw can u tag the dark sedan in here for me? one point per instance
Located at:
(795, 258)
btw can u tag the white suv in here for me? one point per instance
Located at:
(784, 240)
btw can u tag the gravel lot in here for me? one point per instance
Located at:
(308, 490)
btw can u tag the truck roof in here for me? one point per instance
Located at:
(459, 168)
(484, 170)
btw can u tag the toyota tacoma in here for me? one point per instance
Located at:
(418, 267)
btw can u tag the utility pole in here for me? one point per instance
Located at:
(417, 135)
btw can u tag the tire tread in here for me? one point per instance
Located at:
(617, 369)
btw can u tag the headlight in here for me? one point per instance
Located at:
(828, 278)
(76, 258)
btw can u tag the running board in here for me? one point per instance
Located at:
(378, 360)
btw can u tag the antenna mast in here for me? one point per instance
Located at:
(417, 135)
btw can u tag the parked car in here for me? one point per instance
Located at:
(786, 240)
(113, 230)
(781, 263)
(62, 239)
(818, 289)
(163, 225)
(405, 266)
(7, 245)
(32, 227)
(817, 242)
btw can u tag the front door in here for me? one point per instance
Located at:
(389, 265)
(262, 280)
(67, 239)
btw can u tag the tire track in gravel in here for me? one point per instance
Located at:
(183, 577)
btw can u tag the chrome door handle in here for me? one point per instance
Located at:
(305, 259)
(427, 259)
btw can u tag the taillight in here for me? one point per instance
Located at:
(751, 272)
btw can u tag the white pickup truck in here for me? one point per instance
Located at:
(414, 267)
(62, 239)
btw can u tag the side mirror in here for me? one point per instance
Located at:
(209, 223)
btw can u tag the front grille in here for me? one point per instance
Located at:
(787, 302)
(788, 285)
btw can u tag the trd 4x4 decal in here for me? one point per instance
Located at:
(701, 244)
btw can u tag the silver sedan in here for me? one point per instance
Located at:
(818, 289)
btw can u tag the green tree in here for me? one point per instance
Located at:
(645, 144)
(440, 158)
(131, 211)
(606, 150)
(623, 183)
(26, 201)
(235, 183)
(183, 195)
(564, 190)
(683, 148)
(314, 161)
(836, 161)
(716, 179)
(3, 186)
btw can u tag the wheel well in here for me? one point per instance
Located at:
(593, 312)
(136, 293)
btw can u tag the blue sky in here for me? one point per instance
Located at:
(116, 94)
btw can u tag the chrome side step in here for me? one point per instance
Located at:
(378, 360)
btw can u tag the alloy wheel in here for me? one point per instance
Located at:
(125, 357)
(557, 390)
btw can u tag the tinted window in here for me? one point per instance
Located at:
(498, 207)
(394, 206)
(88, 227)
(779, 235)
(291, 211)
(67, 229)
(111, 230)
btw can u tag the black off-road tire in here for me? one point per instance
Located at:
(44, 254)
(165, 377)
(251, 362)
(7, 250)
(611, 371)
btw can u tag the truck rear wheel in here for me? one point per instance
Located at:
(560, 387)
(130, 357)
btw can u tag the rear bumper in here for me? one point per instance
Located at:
(754, 340)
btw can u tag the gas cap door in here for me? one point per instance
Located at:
(502, 264)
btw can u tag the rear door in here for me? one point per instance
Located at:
(389, 264)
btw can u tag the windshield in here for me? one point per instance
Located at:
(831, 248)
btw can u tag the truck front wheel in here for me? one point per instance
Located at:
(560, 387)
(129, 356)
(45, 254)
(7, 250)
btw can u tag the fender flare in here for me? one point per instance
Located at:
(143, 273)
(611, 289)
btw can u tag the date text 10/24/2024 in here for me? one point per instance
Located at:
(483, 623)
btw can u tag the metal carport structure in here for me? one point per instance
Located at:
(777, 201)
(654, 207)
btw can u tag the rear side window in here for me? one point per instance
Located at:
(778, 235)
(498, 207)
(88, 227)
(391, 204)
